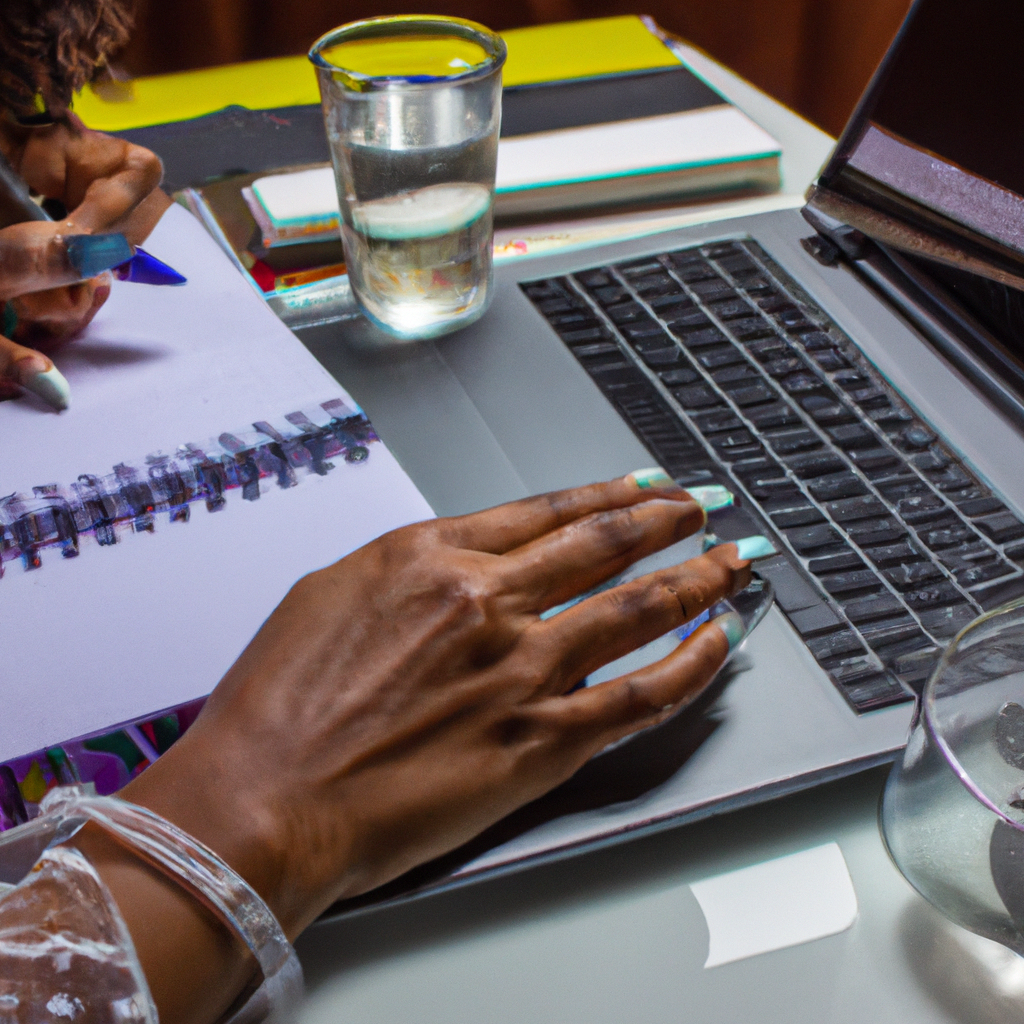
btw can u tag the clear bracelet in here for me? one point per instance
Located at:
(176, 854)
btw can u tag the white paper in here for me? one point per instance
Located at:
(156, 619)
(667, 142)
(779, 903)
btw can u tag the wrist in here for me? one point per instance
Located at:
(194, 965)
(236, 814)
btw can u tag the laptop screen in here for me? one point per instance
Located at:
(941, 124)
(939, 136)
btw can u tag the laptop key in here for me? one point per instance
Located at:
(945, 623)
(994, 594)
(941, 593)
(877, 606)
(696, 396)
(875, 692)
(864, 506)
(830, 359)
(835, 486)
(712, 422)
(835, 644)
(804, 516)
(811, 538)
(790, 441)
(873, 458)
(894, 554)
(815, 464)
(946, 536)
(1002, 527)
(852, 435)
(849, 582)
(773, 414)
(753, 394)
(681, 375)
(819, 618)
(835, 563)
(911, 575)
(971, 575)
(827, 410)
(900, 629)
(874, 532)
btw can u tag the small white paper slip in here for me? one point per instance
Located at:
(779, 903)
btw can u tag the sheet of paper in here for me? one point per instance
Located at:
(779, 903)
(156, 618)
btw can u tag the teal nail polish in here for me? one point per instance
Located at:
(653, 479)
(712, 496)
(710, 541)
(90, 255)
(750, 548)
(732, 626)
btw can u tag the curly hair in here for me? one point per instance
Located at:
(51, 48)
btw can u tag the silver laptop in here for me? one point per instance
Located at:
(854, 372)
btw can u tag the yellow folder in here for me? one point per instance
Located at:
(542, 53)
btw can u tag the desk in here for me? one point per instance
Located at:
(616, 935)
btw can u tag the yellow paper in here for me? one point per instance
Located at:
(542, 53)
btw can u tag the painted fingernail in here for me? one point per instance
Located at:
(90, 255)
(751, 548)
(712, 496)
(653, 479)
(732, 626)
(710, 541)
(48, 384)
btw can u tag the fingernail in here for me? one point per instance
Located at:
(732, 626)
(751, 548)
(711, 496)
(653, 479)
(710, 541)
(90, 255)
(49, 385)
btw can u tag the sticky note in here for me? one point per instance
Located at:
(779, 903)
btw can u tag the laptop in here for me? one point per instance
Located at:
(854, 372)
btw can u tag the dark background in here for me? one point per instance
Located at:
(814, 55)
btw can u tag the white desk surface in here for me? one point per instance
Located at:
(616, 937)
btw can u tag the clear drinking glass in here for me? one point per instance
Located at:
(952, 813)
(412, 107)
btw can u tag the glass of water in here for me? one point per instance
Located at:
(953, 809)
(412, 107)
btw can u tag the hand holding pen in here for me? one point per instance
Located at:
(53, 276)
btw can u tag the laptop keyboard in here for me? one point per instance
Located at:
(725, 370)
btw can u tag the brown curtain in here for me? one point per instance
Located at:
(814, 55)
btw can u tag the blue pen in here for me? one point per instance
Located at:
(88, 255)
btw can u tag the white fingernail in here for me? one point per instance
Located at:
(50, 385)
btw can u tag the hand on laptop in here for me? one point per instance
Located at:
(402, 700)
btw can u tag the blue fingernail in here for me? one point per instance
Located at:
(732, 626)
(653, 479)
(712, 496)
(710, 541)
(751, 548)
(90, 255)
